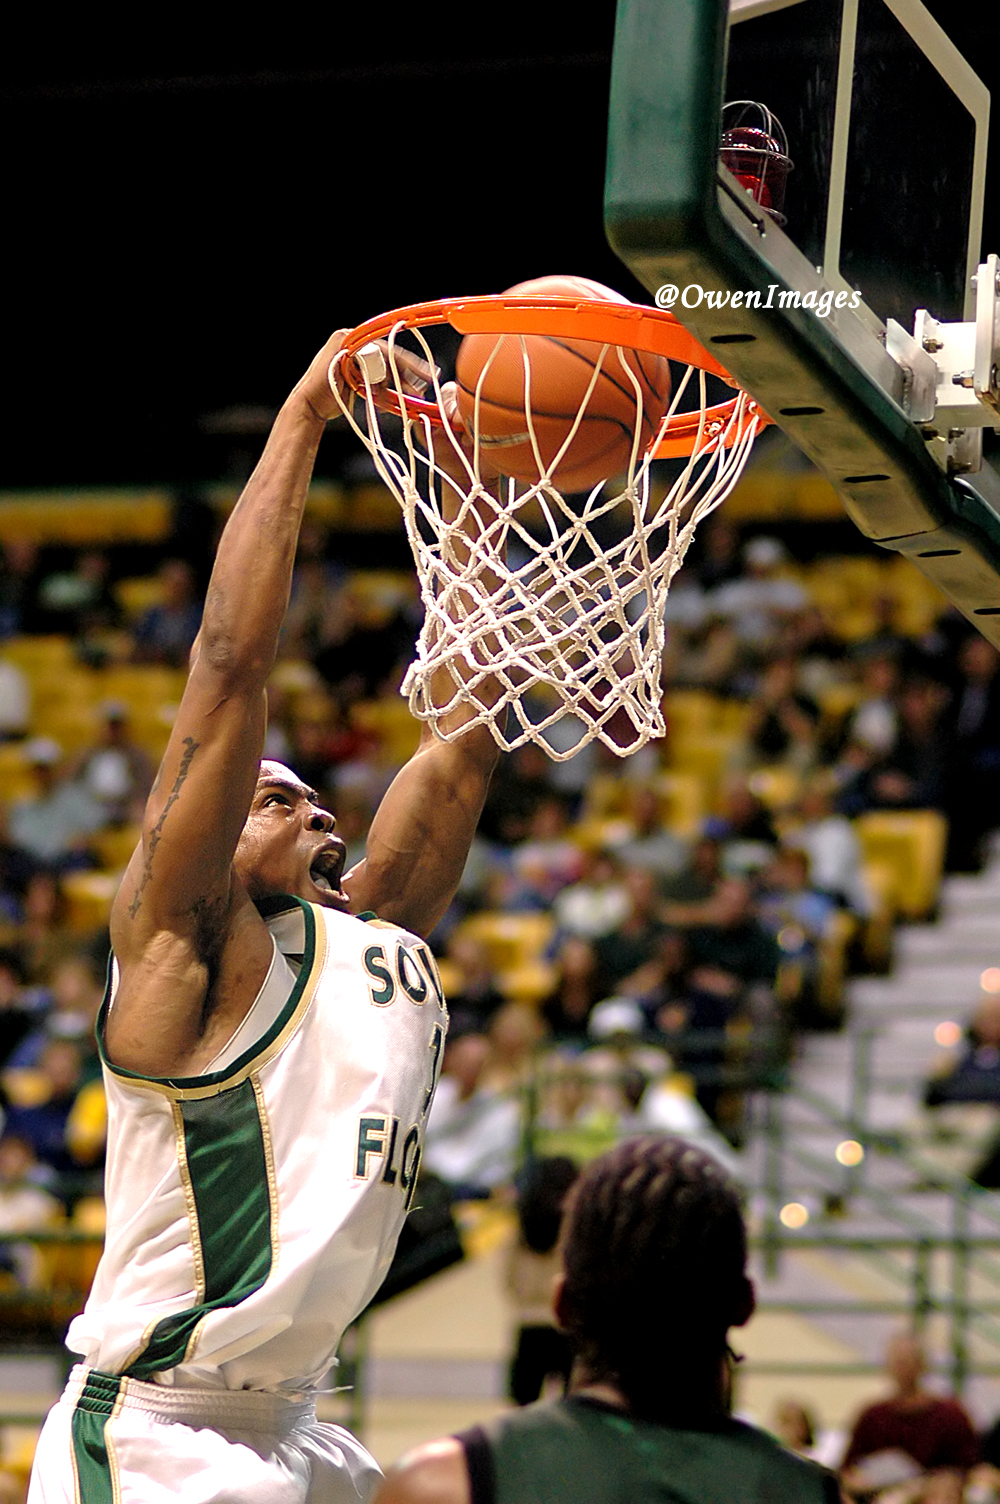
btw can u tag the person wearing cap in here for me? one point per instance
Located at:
(757, 604)
(55, 824)
(115, 770)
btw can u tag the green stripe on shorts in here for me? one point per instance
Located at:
(90, 1447)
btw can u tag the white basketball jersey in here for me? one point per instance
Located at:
(253, 1211)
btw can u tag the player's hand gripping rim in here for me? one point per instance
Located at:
(326, 375)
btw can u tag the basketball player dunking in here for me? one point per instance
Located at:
(270, 1051)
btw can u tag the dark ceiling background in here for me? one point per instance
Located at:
(185, 224)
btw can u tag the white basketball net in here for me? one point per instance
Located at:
(528, 619)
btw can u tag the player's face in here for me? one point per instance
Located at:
(288, 845)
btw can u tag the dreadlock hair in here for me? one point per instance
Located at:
(654, 1250)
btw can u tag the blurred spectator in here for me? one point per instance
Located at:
(116, 772)
(515, 1032)
(475, 998)
(472, 1131)
(651, 845)
(542, 1351)
(166, 632)
(914, 1434)
(973, 799)
(76, 992)
(833, 848)
(277, 745)
(874, 724)
(42, 936)
(354, 816)
(311, 744)
(799, 917)
(744, 830)
(783, 721)
(567, 1008)
(54, 827)
(795, 1427)
(702, 655)
(596, 904)
(725, 936)
(17, 1016)
(520, 782)
(24, 1207)
(316, 595)
(15, 702)
(986, 1477)
(361, 651)
(78, 602)
(16, 871)
(20, 573)
(719, 550)
(667, 1107)
(912, 774)
(699, 877)
(634, 941)
(41, 1103)
(761, 601)
(974, 1076)
(547, 861)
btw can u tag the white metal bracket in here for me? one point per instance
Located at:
(952, 374)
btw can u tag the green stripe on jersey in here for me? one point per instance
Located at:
(224, 1140)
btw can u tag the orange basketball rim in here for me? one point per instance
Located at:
(628, 325)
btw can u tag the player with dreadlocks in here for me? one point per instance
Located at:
(654, 1275)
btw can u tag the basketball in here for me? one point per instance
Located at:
(561, 371)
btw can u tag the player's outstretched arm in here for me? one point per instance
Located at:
(420, 837)
(179, 901)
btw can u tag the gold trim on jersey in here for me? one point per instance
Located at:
(192, 1341)
(132, 1080)
(142, 1345)
(272, 1179)
(194, 1226)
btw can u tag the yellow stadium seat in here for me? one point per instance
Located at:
(777, 787)
(139, 684)
(89, 896)
(690, 710)
(683, 802)
(390, 720)
(512, 939)
(709, 757)
(16, 777)
(606, 795)
(911, 843)
(114, 847)
(35, 654)
(136, 596)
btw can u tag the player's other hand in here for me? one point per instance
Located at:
(444, 451)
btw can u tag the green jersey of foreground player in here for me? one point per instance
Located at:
(654, 1256)
(269, 1060)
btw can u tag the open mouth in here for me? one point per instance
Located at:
(327, 866)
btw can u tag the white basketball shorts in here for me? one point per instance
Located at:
(111, 1440)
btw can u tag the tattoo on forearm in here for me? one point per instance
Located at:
(191, 747)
